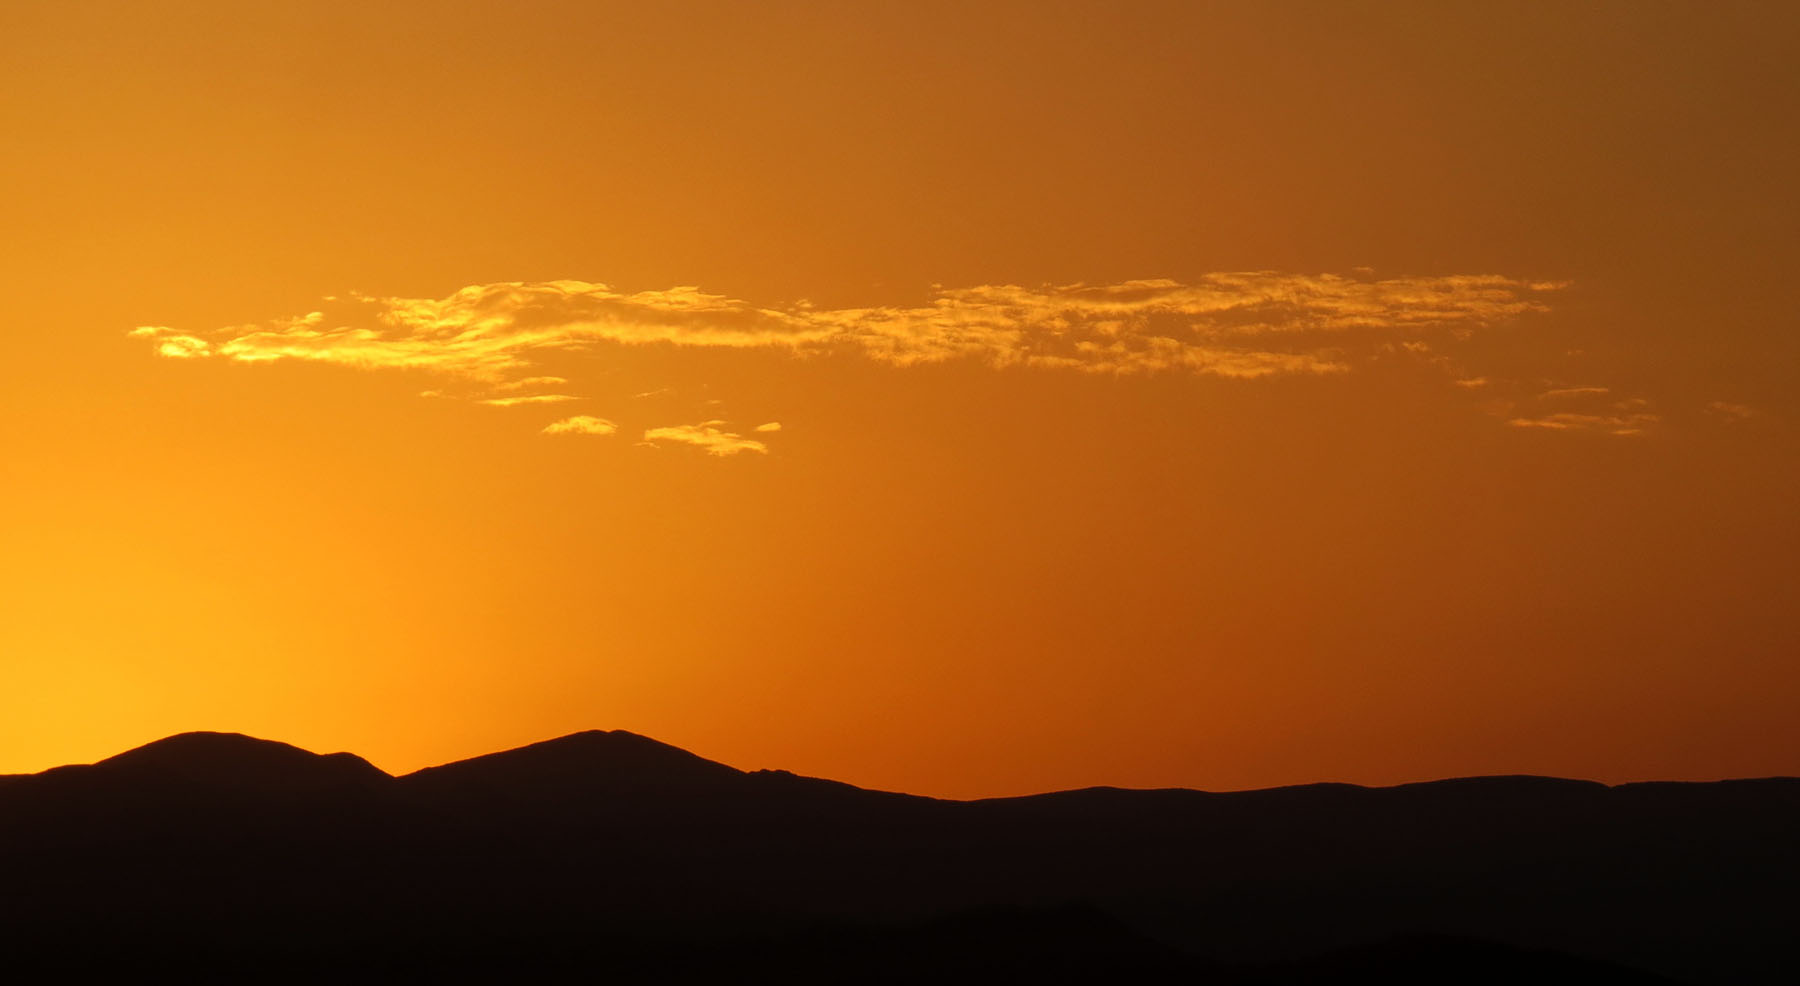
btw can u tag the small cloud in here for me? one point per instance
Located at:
(531, 382)
(184, 347)
(1732, 412)
(1612, 424)
(581, 424)
(173, 344)
(768, 426)
(533, 399)
(1574, 392)
(1589, 408)
(1472, 383)
(659, 392)
(708, 436)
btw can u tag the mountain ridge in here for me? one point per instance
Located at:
(168, 752)
(606, 846)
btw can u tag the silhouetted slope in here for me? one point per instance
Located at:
(610, 772)
(235, 761)
(611, 851)
(202, 788)
(597, 761)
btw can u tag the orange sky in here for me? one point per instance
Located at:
(958, 401)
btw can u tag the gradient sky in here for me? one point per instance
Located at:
(966, 399)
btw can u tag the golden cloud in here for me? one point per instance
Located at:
(171, 343)
(1238, 325)
(1630, 416)
(1730, 411)
(1235, 325)
(706, 435)
(581, 424)
(529, 399)
(1575, 392)
(1612, 424)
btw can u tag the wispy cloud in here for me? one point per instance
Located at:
(1613, 424)
(1241, 325)
(529, 382)
(581, 424)
(530, 399)
(1583, 408)
(495, 339)
(1575, 392)
(173, 344)
(707, 435)
(1730, 411)
(1587, 409)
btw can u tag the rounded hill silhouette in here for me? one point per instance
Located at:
(241, 763)
(595, 761)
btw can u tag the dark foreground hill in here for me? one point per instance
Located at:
(609, 857)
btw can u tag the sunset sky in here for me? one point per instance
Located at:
(964, 398)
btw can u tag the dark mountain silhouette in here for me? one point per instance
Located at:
(610, 856)
(595, 761)
(234, 761)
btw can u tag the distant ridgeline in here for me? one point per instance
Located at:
(609, 857)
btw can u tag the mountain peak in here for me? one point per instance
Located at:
(239, 761)
(593, 760)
